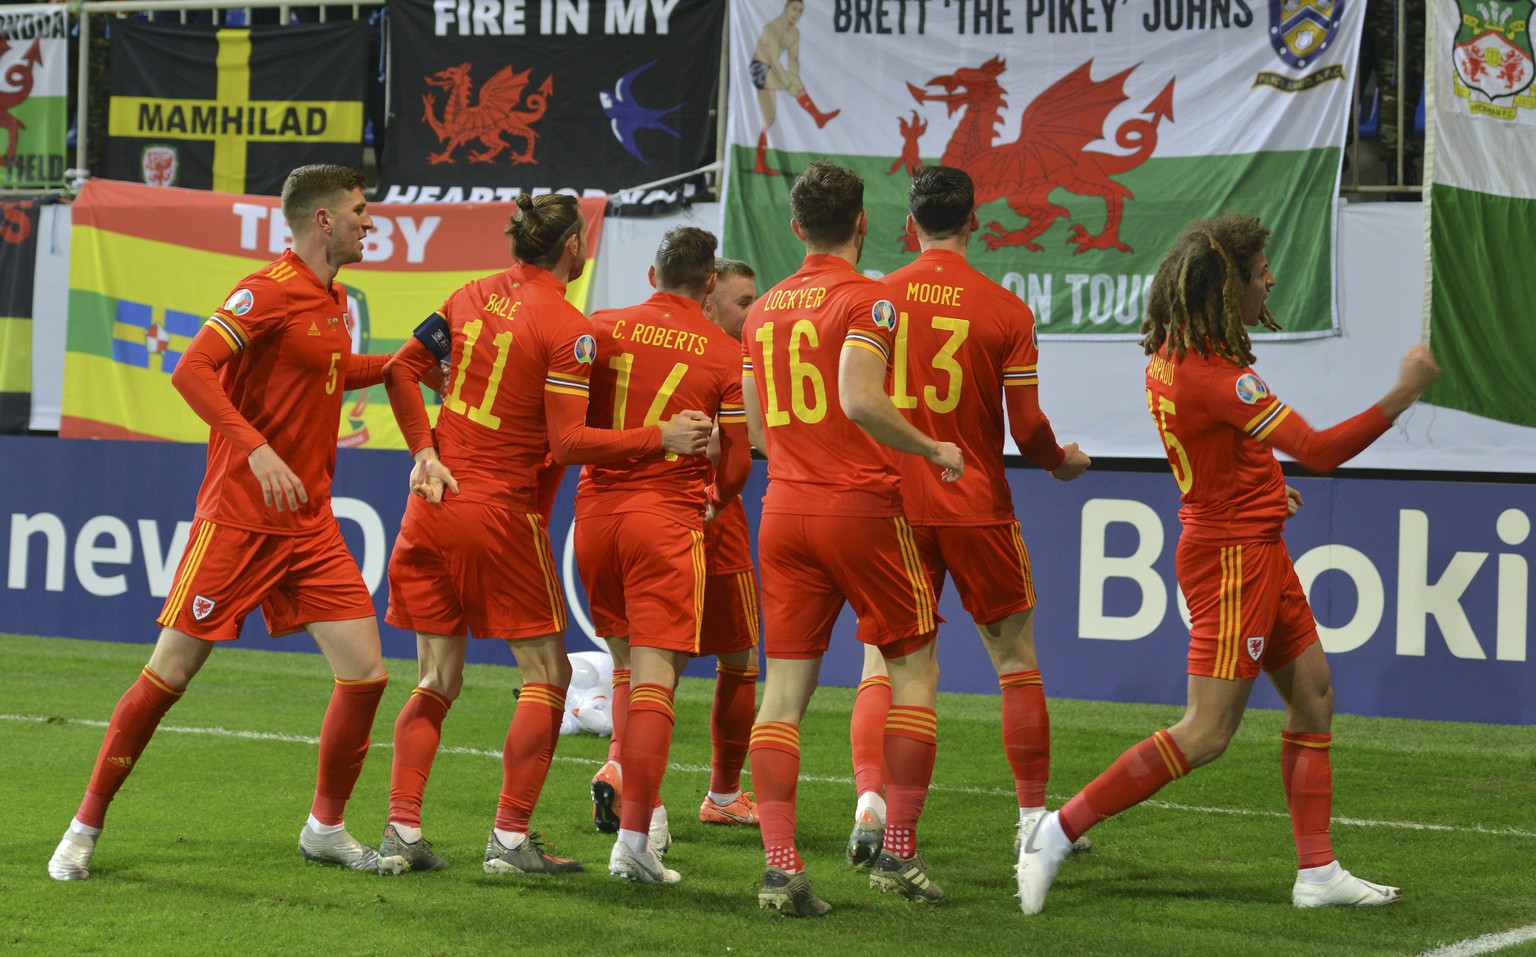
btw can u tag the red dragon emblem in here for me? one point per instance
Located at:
(1051, 151)
(17, 87)
(490, 118)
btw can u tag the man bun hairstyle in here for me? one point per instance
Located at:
(1196, 297)
(541, 226)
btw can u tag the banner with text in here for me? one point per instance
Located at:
(1094, 132)
(148, 265)
(1480, 205)
(18, 258)
(1421, 590)
(34, 91)
(234, 110)
(497, 97)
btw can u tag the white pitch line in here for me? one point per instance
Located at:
(1486, 944)
(823, 779)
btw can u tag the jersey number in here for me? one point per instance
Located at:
(330, 380)
(1161, 408)
(622, 365)
(943, 361)
(479, 414)
(808, 392)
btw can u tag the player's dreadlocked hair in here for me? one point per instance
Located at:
(1196, 297)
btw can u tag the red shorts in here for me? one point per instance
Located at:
(1247, 611)
(727, 543)
(730, 621)
(226, 573)
(989, 564)
(812, 564)
(644, 576)
(467, 568)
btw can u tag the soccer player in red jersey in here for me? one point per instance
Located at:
(473, 554)
(965, 349)
(817, 351)
(1219, 421)
(640, 522)
(267, 372)
(728, 629)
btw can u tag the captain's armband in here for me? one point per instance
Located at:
(435, 335)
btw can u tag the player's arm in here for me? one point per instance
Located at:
(364, 371)
(862, 395)
(734, 465)
(1030, 429)
(573, 442)
(197, 379)
(402, 376)
(1278, 426)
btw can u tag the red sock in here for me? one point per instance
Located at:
(775, 774)
(344, 744)
(525, 757)
(1135, 776)
(418, 731)
(1308, 775)
(618, 708)
(730, 726)
(1026, 735)
(911, 740)
(866, 732)
(647, 739)
(133, 723)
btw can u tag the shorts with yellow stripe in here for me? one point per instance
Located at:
(811, 565)
(644, 576)
(226, 573)
(988, 563)
(1247, 610)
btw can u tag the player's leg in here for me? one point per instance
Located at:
(729, 630)
(1305, 684)
(526, 756)
(351, 646)
(866, 737)
(176, 659)
(418, 732)
(911, 743)
(767, 106)
(608, 782)
(646, 746)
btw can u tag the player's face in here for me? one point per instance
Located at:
(727, 306)
(350, 223)
(1257, 290)
(793, 11)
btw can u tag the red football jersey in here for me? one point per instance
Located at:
(514, 338)
(961, 341)
(1215, 419)
(655, 360)
(819, 462)
(292, 339)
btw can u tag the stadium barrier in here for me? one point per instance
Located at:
(1422, 590)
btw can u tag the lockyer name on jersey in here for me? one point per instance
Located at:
(807, 298)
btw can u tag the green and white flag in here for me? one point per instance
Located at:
(1095, 131)
(34, 89)
(1481, 206)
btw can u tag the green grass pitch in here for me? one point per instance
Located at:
(200, 855)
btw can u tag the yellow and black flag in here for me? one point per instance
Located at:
(234, 110)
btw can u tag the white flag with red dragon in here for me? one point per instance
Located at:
(1094, 131)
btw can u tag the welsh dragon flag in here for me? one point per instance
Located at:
(1094, 131)
(1481, 206)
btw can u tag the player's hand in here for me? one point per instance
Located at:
(946, 455)
(280, 487)
(686, 433)
(1075, 464)
(710, 512)
(429, 476)
(1293, 501)
(1419, 370)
